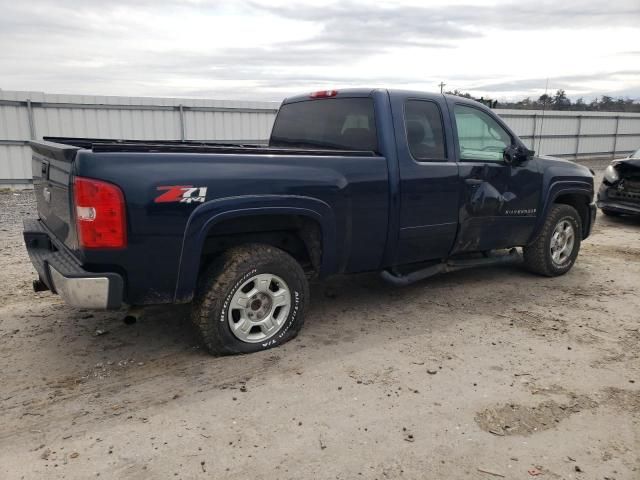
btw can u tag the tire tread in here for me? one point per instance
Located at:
(536, 257)
(219, 277)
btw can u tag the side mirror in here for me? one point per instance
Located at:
(516, 154)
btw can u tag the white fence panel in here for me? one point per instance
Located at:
(576, 134)
(27, 116)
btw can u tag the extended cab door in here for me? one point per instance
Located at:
(498, 201)
(429, 186)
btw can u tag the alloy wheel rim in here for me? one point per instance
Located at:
(562, 242)
(259, 308)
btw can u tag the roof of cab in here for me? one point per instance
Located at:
(367, 92)
(342, 92)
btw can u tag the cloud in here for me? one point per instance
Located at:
(381, 25)
(259, 50)
(557, 82)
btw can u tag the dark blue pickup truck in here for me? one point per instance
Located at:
(406, 183)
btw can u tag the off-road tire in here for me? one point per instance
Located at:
(537, 255)
(224, 276)
(610, 213)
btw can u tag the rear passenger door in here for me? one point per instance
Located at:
(429, 186)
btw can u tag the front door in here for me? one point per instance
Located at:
(498, 200)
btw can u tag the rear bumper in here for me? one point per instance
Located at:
(61, 272)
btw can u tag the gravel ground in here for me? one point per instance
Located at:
(484, 373)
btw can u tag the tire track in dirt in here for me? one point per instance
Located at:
(626, 253)
(518, 419)
(186, 377)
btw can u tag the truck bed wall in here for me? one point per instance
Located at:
(354, 188)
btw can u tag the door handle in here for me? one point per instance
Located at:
(473, 181)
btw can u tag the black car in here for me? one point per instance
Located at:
(620, 189)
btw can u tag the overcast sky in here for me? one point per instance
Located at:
(269, 49)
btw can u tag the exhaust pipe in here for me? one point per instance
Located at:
(132, 316)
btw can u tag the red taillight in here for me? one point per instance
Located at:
(324, 94)
(100, 214)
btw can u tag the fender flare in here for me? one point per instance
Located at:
(557, 188)
(207, 215)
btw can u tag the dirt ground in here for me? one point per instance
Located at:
(484, 374)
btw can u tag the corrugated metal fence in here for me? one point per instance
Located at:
(576, 134)
(32, 115)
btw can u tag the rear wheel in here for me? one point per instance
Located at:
(556, 248)
(252, 298)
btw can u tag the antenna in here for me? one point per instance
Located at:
(441, 85)
(544, 107)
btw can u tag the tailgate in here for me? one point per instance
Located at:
(52, 164)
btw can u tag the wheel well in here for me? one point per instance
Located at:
(297, 235)
(581, 203)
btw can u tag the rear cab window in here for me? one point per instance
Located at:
(328, 123)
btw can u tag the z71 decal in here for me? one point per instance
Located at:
(181, 194)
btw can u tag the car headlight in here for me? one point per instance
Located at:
(611, 174)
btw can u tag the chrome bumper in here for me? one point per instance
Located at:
(62, 273)
(85, 292)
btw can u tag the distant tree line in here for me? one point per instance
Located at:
(560, 101)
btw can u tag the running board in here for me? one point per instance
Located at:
(450, 266)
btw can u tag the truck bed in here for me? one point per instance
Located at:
(196, 146)
(347, 188)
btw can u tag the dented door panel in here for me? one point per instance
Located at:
(498, 205)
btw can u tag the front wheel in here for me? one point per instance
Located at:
(252, 298)
(556, 248)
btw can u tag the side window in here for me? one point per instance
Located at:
(480, 137)
(424, 130)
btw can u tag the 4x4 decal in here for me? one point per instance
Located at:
(181, 194)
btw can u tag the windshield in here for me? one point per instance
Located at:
(336, 123)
